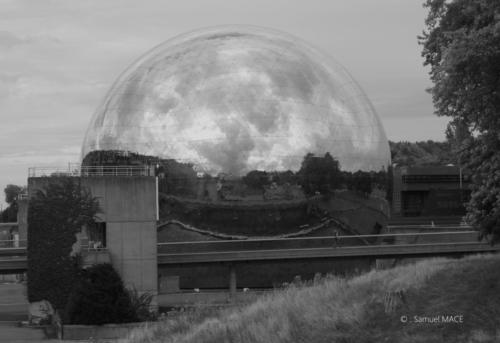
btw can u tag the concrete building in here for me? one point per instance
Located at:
(128, 223)
(422, 191)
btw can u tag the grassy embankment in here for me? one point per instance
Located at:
(354, 310)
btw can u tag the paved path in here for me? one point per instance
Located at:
(13, 302)
(10, 332)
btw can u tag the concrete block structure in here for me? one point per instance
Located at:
(129, 215)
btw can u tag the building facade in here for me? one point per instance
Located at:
(429, 191)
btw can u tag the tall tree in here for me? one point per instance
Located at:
(461, 44)
(55, 215)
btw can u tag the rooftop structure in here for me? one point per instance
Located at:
(438, 190)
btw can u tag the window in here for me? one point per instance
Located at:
(97, 236)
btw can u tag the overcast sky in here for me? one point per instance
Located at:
(58, 58)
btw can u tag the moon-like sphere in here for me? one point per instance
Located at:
(236, 99)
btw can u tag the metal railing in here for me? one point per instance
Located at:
(76, 170)
(13, 243)
(92, 248)
(339, 238)
(22, 196)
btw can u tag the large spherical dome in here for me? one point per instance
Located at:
(236, 99)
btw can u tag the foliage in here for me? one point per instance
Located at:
(424, 153)
(117, 158)
(141, 305)
(11, 194)
(319, 174)
(9, 214)
(99, 298)
(483, 209)
(359, 181)
(462, 46)
(256, 179)
(55, 215)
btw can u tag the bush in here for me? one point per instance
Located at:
(100, 298)
(141, 303)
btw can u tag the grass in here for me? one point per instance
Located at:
(334, 309)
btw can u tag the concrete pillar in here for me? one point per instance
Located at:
(22, 221)
(232, 282)
(129, 206)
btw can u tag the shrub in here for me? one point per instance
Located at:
(100, 297)
(141, 303)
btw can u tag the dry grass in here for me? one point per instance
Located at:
(352, 310)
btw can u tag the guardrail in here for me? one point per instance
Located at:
(90, 248)
(77, 170)
(278, 243)
(367, 251)
(13, 243)
(449, 242)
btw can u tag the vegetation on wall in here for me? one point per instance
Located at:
(461, 45)
(424, 153)
(55, 215)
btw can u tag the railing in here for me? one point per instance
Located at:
(90, 171)
(451, 178)
(22, 196)
(13, 243)
(22, 243)
(323, 247)
(91, 248)
(306, 242)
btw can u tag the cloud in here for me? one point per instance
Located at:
(58, 58)
(8, 40)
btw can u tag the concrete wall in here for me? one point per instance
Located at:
(124, 199)
(129, 210)
(255, 274)
(22, 219)
(6, 231)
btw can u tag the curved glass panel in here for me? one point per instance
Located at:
(236, 99)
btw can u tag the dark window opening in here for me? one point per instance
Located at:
(97, 236)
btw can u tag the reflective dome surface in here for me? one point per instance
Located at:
(236, 99)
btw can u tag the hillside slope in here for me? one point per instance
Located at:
(395, 305)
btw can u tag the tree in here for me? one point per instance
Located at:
(256, 179)
(319, 174)
(461, 44)
(55, 215)
(11, 194)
